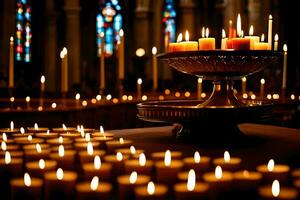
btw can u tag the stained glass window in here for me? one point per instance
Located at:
(109, 21)
(23, 31)
(169, 15)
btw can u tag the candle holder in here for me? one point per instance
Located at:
(222, 111)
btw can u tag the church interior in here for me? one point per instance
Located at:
(149, 99)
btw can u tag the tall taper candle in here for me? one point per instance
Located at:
(199, 88)
(270, 37)
(154, 65)
(121, 55)
(11, 63)
(244, 85)
(284, 68)
(139, 88)
(102, 63)
(64, 70)
(42, 83)
(262, 88)
(276, 38)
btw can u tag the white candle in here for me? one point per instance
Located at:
(139, 88)
(244, 85)
(11, 63)
(276, 38)
(199, 88)
(121, 55)
(284, 67)
(102, 63)
(64, 70)
(224, 40)
(43, 83)
(154, 65)
(270, 32)
(262, 88)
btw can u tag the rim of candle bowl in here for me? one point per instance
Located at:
(104, 187)
(159, 156)
(104, 172)
(82, 146)
(54, 149)
(87, 130)
(19, 182)
(160, 189)
(84, 157)
(295, 174)
(33, 155)
(252, 180)
(115, 144)
(102, 139)
(55, 141)
(202, 166)
(8, 141)
(12, 147)
(62, 130)
(39, 130)
(106, 133)
(35, 165)
(44, 146)
(46, 136)
(8, 130)
(280, 172)
(265, 191)
(17, 135)
(14, 160)
(183, 176)
(68, 175)
(71, 135)
(24, 140)
(13, 154)
(141, 179)
(233, 164)
(131, 165)
(82, 140)
(126, 151)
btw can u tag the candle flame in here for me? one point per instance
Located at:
(98, 97)
(197, 157)
(61, 151)
(139, 81)
(48, 132)
(275, 188)
(62, 54)
(276, 38)
(7, 158)
(285, 48)
(223, 34)
(150, 188)
(133, 177)
(200, 80)
(262, 38)
(3, 146)
(218, 172)
(140, 52)
(179, 38)
(244, 79)
(271, 165)
(94, 183)
(43, 79)
(42, 164)
(207, 32)
(90, 149)
(101, 130)
(251, 30)
(29, 138)
(87, 137)
(270, 17)
(119, 156)
(97, 162)
(191, 182)
(64, 127)
(262, 81)
(60, 139)
(11, 125)
(27, 99)
(246, 173)
(168, 158)
(27, 180)
(121, 33)
(11, 39)
(121, 140)
(142, 159)
(154, 50)
(132, 150)
(4, 137)
(65, 50)
(77, 96)
(226, 156)
(38, 148)
(203, 32)
(102, 34)
(239, 26)
(59, 174)
(36, 127)
(187, 35)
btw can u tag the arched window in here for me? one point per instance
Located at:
(23, 31)
(109, 21)
(169, 25)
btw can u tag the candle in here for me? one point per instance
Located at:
(167, 170)
(117, 161)
(176, 46)
(206, 43)
(36, 154)
(102, 63)
(272, 171)
(160, 156)
(130, 152)
(11, 63)
(198, 163)
(14, 154)
(10, 167)
(270, 32)
(151, 192)
(154, 65)
(88, 155)
(121, 55)
(227, 162)
(261, 45)
(27, 99)
(64, 70)
(127, 184)
(199, 88)
(28, 140)
(83, 145)
(188, 45)
(231, 31)
(284, 72)
(64, 129)
(246, 180)
(97, 168)
(240, 43)
(64, 158)
(26, 188)
(58, 141)
(253, 39)
(37, 129)
(60, 184)
(224, 40)
(244, 85)
(139, 88)
(39, 168)
(262, 88)
(46, 135)
(276, 192)
(93, 190)
(102, 133)
(191, 189)
(141, 166)
(276, 38)
(117, 144)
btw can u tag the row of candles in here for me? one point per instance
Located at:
(50, 162)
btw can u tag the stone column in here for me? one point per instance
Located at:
(187, 20)
(231, 10)
(255, 18)
(72, 9)
(51, 51)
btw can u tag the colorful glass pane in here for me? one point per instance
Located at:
(169, 16)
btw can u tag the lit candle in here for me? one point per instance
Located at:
(26, 188)
(60, 184)
(261, 45)
(198, 163)
(93, 189)
(64, 70)
(188, 45)
(240, 43)
(276, 192)
(228, 162)
(270, 37)
(46, 135)
(127, 184)
(253, 39)
(11, 63)
(272, 171)
(64, 158)
(102, 63)
(43, 83)
(167, 170)
(191, 189)
(151, 192)
(231, 34)
(199, 88)
(130, 152)
(97, 168)
(117, 144)
(102, 133)
(246, 180)
(262, 88)
(139, 88)
(284, 72)
(37, 153)
(37, 129)
(206, 43)
(155, 72)
(160, 156)
(10, 167)
(88, 155)
(64, 129)
(27, 99)
(121, 55)
(276, 38)
(244, 85)
(141, 166)
(224, 40)
(39, 168)
(176, 46)
(117, 162)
